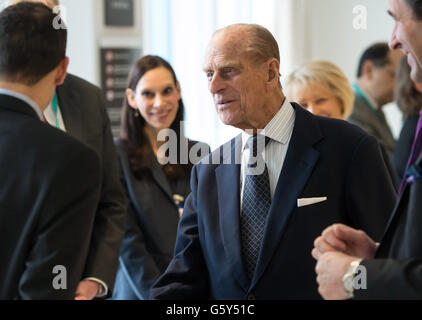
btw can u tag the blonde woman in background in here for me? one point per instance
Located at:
(322, 88)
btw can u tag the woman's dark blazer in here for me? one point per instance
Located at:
(151, 226)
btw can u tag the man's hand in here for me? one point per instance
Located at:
(87, 290)
(341, 238)
(330, 269)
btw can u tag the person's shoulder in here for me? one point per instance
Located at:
(44, 143)
(329, 127)
(85, 96)
(50, 138)
(342, 130)
(360, 113)
(79, 83)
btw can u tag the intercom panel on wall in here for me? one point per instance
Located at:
(120, 47)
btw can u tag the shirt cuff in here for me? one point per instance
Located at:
(102, 287)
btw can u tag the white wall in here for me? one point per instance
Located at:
(324, 30)
(81, 47)
(321, 29)
(331, 34)
(87, 33)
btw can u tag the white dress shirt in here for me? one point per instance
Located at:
(279, 129)
(56, 120)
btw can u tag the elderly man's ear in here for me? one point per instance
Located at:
(273, 73)
(61, 71)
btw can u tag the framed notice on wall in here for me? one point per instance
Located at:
(116, 64)
(119, 13)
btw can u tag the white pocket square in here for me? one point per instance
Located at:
(308, 201)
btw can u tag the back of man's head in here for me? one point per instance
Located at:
(30, 46)
(377, 54)
(49, 3)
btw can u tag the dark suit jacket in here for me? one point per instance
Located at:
(396, 273)
(48, 195)
(404, 146)
(85, 117)
(326, 158)
(374, 124)
(151, 227)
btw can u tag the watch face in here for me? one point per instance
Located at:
(348, 283)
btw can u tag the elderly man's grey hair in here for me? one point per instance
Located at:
(260, 42)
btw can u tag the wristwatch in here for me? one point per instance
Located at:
(349, 278)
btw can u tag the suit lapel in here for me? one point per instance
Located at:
(69, 107)
(134, 187)
(228, 174)
(160, 178)
(300, 160)
(402, 200)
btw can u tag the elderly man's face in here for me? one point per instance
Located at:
(236, 83)
(407, 36)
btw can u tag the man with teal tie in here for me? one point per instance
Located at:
(373, 89)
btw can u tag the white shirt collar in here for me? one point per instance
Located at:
(277, 128)
(25, 99)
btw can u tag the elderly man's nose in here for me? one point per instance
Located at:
(216, 84)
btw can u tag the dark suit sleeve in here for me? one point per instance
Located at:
(392, 279)
(186, 276)
(109, 224)
(137, 264)
(370, 191)
(63, 229)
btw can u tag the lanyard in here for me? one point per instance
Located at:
(55, 106)
(360, 93)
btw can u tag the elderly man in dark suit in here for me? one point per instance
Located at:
(350, 263)
(249, 224)
(50, 182)
(78, 108)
